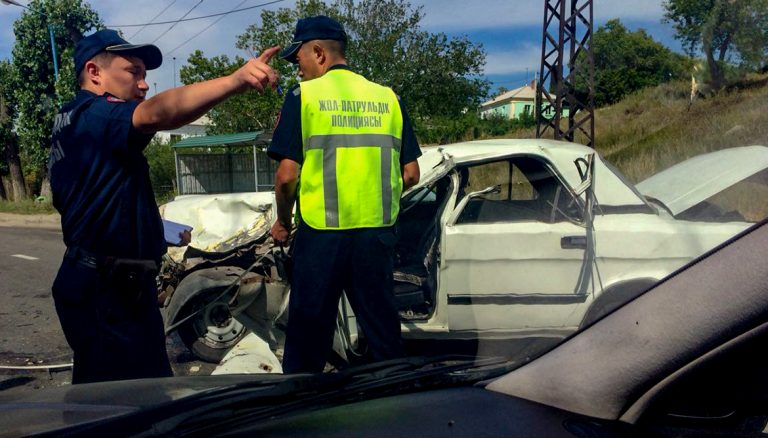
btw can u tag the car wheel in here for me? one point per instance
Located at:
(213, 331)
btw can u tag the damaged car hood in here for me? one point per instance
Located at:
(690, 182)
(221, 222)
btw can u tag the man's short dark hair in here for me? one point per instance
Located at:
(102, 59)
(337, 47)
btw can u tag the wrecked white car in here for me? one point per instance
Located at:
(500, 240)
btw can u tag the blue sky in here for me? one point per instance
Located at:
(510, 30)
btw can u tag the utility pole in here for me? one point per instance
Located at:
(174, 72)
(567, 35)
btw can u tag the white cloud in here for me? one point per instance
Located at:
(460, 15)
(526, 57)
(441, 15)
(219, 39)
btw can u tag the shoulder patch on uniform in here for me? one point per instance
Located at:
(114, 99)
(297, 91)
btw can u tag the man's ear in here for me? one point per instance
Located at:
(319, 53)
(92, 72)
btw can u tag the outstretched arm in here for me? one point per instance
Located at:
(178, 106)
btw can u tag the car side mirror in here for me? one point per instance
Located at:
(463, 203)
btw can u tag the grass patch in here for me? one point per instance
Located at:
(26, 207)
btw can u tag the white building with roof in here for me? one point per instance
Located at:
(194, 129)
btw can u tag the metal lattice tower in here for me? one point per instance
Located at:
(567, 35)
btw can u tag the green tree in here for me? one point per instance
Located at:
(162, 168)
(240, 113)
(500, 90)
(249, 111)
(436, 76)
(726, 31)
(37, 93)
(10, 164)
(628, 61)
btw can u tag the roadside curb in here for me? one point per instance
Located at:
(46, 221)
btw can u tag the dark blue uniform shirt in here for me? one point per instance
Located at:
(287, 142)
(100, 179)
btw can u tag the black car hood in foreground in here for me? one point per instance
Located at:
(193, 405)
(56, 408)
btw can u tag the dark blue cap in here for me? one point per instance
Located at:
(313, 28)
(108, 40)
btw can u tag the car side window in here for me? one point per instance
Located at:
(527, 190)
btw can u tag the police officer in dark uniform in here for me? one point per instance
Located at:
(356, 151)
(105, 292)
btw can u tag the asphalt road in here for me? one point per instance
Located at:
(30, 334)
(29, 328)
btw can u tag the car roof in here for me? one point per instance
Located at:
(438, 160)
(483, 149)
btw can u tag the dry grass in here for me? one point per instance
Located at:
(654, 129)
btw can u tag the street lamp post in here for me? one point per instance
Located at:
(50, 34)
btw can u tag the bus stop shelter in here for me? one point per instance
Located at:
(227, 163)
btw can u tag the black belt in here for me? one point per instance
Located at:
(86, 258)
(95, 261)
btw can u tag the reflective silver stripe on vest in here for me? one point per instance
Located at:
(329, 144)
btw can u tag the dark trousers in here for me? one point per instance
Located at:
(112, 323)
(358, 262)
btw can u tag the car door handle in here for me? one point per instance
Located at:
(573, 242)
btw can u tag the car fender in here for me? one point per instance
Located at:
(203, 281)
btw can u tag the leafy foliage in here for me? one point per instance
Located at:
(725, 31)
(37, 93)
(6, 111)
(436, 76)
(240, 113)
(162, 168)
(628, 61)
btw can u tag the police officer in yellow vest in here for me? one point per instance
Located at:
(346, 151)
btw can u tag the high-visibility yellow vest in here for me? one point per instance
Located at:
(352, 134)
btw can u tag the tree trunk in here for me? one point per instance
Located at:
(18, 186)
(715, 72)
(45, 188)
(3, 195)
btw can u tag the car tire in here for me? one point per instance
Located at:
(213, 331)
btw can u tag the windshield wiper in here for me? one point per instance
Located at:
(352, 384)
(268, 396)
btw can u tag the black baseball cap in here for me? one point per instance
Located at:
(313, 28)
(108, 40)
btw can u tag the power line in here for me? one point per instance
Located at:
(177, 22)
(195, 18)
(206, 28)
(150, 21)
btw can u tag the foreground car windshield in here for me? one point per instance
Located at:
(508, 244)
(515, 237)
(505, 248)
